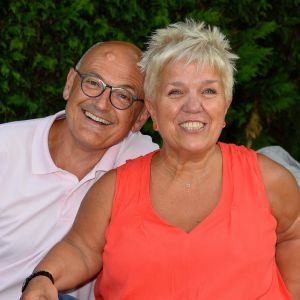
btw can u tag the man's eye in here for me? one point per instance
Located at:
(91, 82)
(122, 95)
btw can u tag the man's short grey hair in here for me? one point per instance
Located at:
(85, 54)
(188, 41)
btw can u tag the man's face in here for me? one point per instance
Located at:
(94, 123)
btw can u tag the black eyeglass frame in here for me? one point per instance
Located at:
(105, 85)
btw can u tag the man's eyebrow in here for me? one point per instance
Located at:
(124, 86)
(93, 74)
(127, 87)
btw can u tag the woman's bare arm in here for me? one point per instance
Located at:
(78, 257)
(284, 196)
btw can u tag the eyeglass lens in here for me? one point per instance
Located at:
(94, 87)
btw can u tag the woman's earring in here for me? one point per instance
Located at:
(154, 126)
(224, 124)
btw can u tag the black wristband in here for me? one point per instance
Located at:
(35, 274)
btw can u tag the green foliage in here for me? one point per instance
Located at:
(41, 40)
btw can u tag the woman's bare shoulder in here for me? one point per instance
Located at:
(282, 191)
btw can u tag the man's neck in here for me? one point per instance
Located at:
(67, 155)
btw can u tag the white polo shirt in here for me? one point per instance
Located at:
(39, 201)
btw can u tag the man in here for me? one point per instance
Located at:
(48, 164)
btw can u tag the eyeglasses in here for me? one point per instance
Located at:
(92, 86)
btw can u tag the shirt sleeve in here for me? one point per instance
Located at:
(134, 145)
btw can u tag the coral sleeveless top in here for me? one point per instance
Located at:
(230, 255)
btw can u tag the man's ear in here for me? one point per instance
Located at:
(141, 119)
(150, 107)
(69, 84)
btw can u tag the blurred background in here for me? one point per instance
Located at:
(41, 40)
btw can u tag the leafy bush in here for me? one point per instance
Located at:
(41, 40)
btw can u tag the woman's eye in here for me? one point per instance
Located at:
(209, 92)
(175, 93)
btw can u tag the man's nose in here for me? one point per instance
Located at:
(103, 100)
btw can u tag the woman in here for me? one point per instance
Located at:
(198, 219)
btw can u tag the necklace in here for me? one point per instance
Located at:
(175, 178)
(188, 185)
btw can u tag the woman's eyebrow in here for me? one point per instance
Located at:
(179, 83)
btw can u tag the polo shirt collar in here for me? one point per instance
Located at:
(42, 162)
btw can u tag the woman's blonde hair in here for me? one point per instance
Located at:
(189, 41)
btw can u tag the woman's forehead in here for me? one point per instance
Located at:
(182, 69)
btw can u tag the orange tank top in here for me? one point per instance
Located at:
(230, 255)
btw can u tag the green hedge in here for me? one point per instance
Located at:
(41, 40)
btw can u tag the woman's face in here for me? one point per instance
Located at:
(190, 106)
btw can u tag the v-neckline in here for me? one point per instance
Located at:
(216, 213)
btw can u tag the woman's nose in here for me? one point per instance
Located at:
(194, 103)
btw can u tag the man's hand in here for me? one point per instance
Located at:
(40, 288)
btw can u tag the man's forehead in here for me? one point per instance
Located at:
(114, 51)
(113, 60)
(110, 55)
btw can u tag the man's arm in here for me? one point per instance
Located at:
(78, 257)
(284, 197)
